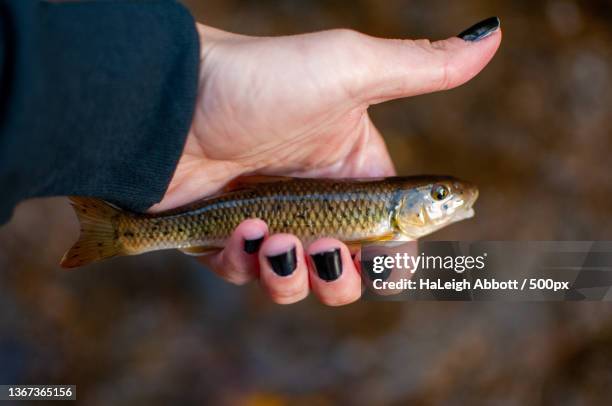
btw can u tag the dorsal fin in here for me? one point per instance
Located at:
(237, 184)
(247, 182)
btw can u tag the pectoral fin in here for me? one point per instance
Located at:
(354, 246)
(385, 237)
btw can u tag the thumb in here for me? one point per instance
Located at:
(403, 68)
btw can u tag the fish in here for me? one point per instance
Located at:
(354, 211)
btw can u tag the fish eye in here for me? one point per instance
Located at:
(439, 192)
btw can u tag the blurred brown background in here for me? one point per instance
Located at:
(533, 131)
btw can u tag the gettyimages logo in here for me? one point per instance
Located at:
(411, 263)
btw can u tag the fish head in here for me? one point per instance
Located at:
(433, 204)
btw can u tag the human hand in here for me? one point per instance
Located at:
(297, 106)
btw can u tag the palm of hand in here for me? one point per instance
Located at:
(279, 105)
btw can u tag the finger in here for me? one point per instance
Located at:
(333, 276)
(283, 271)
(238, 262)
(403, 68)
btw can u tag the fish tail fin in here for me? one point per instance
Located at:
(98, 239)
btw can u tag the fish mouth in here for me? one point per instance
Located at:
(468, 211)
(465, 214)
(472, 197)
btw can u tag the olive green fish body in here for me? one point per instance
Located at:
(349, 210)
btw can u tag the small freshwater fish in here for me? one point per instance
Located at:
(353, 211)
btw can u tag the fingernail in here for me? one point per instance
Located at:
(283, 264)
(480, 30)
(328, 264)
(251, 246)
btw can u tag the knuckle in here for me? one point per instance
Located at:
(347, 34)
(237, 279)
(235, 273)
(443, 77)
(288, 295)
(424, 44)
(353, 44)
(231, 276)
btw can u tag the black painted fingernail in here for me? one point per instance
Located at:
(480, 30)
(251, 246)
(328, 264)
(283, 264)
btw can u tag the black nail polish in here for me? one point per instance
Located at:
(328, 264)
(480, 30)
(284, 264)
(251, 246)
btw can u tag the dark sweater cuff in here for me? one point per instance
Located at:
(101, 99)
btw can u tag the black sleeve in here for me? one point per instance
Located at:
(96, 98)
